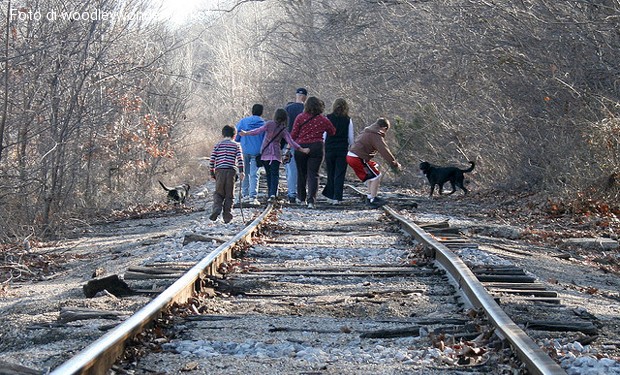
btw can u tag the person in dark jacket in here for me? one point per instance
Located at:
(336, 148)
(366, 146)
(293, 110)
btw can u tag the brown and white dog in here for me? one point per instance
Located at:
(177, 194)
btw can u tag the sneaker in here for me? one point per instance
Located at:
(213, 216)
(255, 202)
(292, 200)
(311, 205)
(336, 202)
(300, 202)
(246, 200)
(271, 199)
(376, 201)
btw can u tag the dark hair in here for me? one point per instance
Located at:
(314, 106)
(383, 122)
(229, 131)
(340, 107)
(257, 110)
(280, 116)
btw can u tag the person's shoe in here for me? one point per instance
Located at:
(329, 200)
(300, 202)
(376, 201)
(246, 200)
(292, 200)
(213, 216)
(310, 205)
(336, 202)
(255, 202)
(271, 199)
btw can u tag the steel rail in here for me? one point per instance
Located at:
(534, 358)
(99, 356)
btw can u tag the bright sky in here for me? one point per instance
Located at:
(181, 11)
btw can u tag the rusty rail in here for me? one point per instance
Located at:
(534, 358)
(98, 357)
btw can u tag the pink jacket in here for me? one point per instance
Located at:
(271, 148)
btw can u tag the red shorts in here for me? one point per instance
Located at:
(365, 170)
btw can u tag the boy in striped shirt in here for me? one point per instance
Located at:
(225, 163)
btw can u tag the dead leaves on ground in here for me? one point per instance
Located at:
(147, 211)
(18, 264)
(551, 220)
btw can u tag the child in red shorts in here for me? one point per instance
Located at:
(366, 146)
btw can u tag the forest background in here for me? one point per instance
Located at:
(98, 101)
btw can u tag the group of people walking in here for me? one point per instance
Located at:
(302, 137)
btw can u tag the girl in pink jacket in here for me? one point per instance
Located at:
(275, 130)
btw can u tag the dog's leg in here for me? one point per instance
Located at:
(461, 183)
(453, 187)
(440, 189)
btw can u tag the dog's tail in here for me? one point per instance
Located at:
(473, 165)
(162, 185)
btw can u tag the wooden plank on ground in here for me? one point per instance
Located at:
(545, 325)
(73, 314)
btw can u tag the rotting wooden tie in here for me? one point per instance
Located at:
(142, 273)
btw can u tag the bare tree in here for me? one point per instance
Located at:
(91, 111)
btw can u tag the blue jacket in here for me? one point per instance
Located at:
(250, 144)
(293, 110)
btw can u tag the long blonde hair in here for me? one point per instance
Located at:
(340, 107)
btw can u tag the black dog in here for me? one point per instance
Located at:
(177, 194)
(440, 175)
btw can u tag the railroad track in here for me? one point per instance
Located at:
(325, 290)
